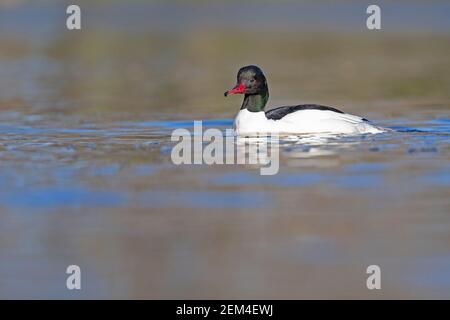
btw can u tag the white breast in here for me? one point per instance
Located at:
(302, 121)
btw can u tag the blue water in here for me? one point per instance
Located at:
(64, 156)
(101, 194)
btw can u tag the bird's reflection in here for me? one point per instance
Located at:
(310, 150)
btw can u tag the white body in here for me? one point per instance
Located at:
(302, 122)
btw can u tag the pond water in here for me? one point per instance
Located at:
(86, 176)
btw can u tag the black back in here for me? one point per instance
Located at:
(280, 112)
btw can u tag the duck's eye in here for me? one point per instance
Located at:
(252, 80)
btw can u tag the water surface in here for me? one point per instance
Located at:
(108, 197)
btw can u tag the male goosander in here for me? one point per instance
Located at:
(307, 118)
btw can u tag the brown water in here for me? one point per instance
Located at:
(86, 176)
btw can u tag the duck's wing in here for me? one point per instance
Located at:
(280, 112)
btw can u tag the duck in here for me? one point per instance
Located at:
(298, 119)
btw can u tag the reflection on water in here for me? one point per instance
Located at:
(86, 176)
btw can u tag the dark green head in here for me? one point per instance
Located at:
(251, 82)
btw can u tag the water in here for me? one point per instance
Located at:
(107, 197)
(86, 176)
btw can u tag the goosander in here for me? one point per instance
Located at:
(300, 119)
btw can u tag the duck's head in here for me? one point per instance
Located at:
(251, 82)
